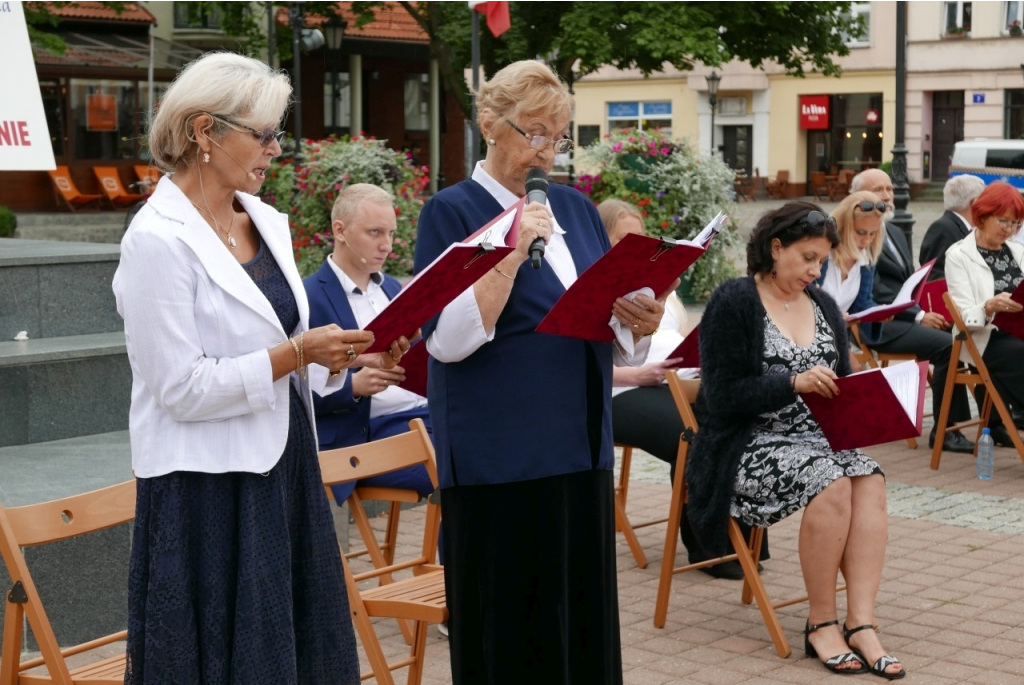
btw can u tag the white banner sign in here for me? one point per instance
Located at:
(24, 136)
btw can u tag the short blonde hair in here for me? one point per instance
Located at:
(223, 84)
(351, 197)
(844, 214)
(612, 211)
(524, 87)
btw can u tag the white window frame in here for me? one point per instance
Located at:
(1012, 9)
(959, 13)
(642, 115)
(861, 9)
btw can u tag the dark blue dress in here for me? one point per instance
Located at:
(237, 578)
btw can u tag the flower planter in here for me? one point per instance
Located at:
(636, 163)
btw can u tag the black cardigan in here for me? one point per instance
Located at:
(734, 392)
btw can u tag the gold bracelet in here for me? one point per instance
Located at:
(649, 334)
(298, 355)
(302, 355)
(511, 278)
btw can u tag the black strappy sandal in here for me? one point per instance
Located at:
(884, 661)
(833, 663)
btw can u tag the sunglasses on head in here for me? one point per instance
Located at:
(266, 136)
(867, 206)
(817, 220)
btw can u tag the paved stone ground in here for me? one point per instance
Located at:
(950, 606)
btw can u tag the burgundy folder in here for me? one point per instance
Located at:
(1012, 322)
(867, 412)
(635, 262)
(688, 351)
(415, 364)
(931, 298)
(432, 289)
(884, 311)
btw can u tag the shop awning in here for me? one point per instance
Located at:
(117, 52)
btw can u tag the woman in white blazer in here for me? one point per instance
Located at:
(982, 271)
(235, 573)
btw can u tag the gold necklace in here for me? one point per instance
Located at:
(785, 303)
(228, 238)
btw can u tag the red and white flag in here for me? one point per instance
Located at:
(498, 20)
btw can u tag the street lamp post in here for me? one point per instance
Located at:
(713, 80)
(334, 32)
(900, 184)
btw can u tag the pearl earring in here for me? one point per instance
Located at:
(492, 141)
(206, 158)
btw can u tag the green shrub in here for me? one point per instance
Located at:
(677, 191)
(8, 222)
(328, 166)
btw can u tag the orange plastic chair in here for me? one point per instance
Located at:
(149, 176)
(110, 182)
(64, 189)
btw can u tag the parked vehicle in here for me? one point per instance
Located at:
(990, 160)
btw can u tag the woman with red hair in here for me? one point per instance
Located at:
(982, 271)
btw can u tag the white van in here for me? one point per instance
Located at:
(990, 160)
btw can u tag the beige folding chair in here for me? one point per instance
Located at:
(748, 550)
(622, 522)
(971, 379)
(419, 598)
(38, 524)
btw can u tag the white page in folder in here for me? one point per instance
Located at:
(905, 380)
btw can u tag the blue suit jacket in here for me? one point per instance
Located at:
(340, 420)
(526, 405)
(870, 333)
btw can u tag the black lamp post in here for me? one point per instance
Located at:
(334, 32)
(900, 184)
(713, 80)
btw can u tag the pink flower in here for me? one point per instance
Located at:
(617, 147)
(664, 150)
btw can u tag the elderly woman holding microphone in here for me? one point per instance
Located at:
(982, 271)
(235, 574)
(522, 420)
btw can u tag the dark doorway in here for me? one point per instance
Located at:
(738, 147)
(947, 129)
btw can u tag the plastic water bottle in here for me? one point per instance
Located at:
(986, 464)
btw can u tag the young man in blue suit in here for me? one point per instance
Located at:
(349, 290)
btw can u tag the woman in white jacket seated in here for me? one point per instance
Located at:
(982, 271)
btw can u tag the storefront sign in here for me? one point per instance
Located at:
(813, 112)
(24, 136)
(101, 112)
(872, 116)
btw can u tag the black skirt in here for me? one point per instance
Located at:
(531, 582)
(236, 578)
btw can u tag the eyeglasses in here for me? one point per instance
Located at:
(266, 136)
(867, 206)
(817, 220)
(541, 142)
(1007, 223)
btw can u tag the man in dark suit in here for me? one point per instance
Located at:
(954, 224)
(349, 290)
(924, 334)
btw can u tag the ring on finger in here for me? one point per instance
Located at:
(391, 352)
(819, 382)
(351, 351)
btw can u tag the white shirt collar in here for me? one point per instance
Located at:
(503, 195)
(963, 219)
(347, 284)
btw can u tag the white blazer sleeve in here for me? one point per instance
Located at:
(164, 297)
(964, 291)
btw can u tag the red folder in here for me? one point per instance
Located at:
(1012, 322)
(931, 298)
(688, 351)
(635, 262)
(415, 364)
(867, 412)
(884, 311)
(432, 289)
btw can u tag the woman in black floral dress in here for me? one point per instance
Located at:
(982, 271)
(760, 455)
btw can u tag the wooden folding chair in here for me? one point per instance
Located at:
(818, 185)
(65, 190)
(778, 187)
(37, 524)
(875, 359)
(971, 379)
(622, 522)
(748, 550)
(110, 182)
(419, 598)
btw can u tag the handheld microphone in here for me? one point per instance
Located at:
(252, 176)
(537, 191)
